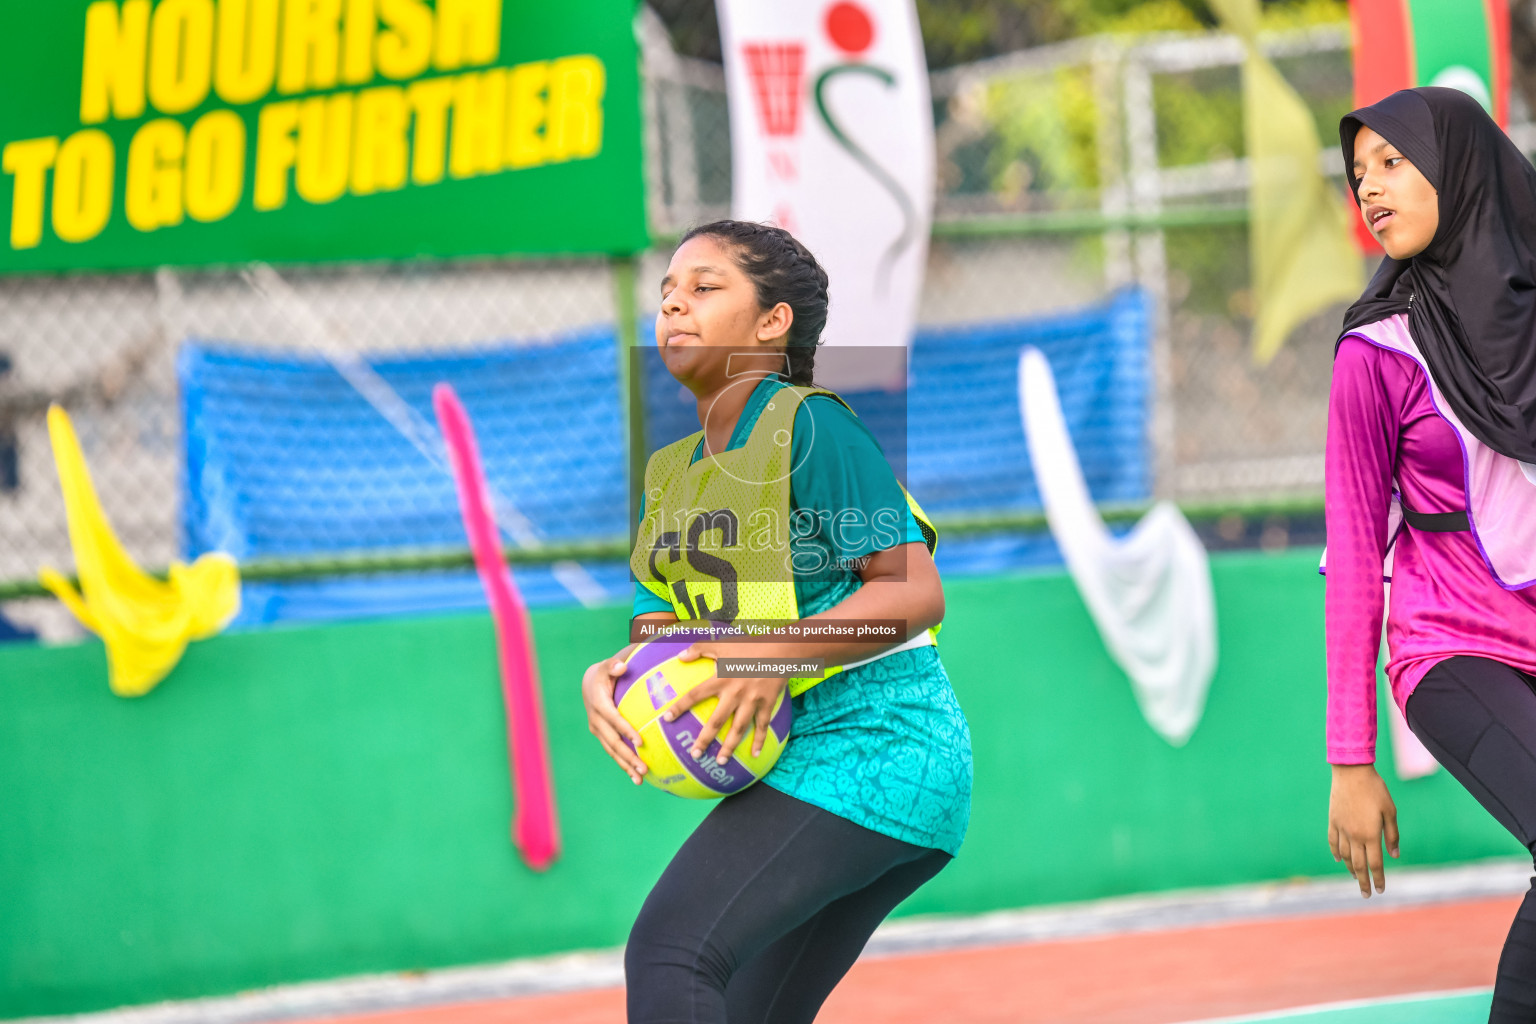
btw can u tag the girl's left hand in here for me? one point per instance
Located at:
(747, 703)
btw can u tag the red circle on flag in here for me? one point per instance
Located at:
(849, 27)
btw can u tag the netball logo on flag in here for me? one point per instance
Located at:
(778, 77)
(832, 139)
(778, 71)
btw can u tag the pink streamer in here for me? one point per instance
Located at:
(535, 827)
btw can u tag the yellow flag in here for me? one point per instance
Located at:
(145, 623)
(1298, 233)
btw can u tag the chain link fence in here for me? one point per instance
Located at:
(106, 347)
(1065, 173)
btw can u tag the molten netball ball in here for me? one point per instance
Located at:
(652, 682)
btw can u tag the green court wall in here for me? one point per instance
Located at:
(312, 802)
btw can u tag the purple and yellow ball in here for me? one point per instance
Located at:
(652, 682)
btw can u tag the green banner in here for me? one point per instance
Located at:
(185, 132)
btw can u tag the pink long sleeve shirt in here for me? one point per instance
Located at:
(1382, 425)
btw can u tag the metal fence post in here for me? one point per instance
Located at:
(626, 313)
(1151, 266)
(1108, 58)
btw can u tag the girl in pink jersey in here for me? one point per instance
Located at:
(1431, 483)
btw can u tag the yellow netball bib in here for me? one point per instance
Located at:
(715, 540)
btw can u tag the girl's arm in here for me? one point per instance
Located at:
(1363, 425)
(899, 584)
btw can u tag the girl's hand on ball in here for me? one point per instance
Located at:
(618, 737)
(746, 703)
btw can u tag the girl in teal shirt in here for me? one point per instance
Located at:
(772, 898)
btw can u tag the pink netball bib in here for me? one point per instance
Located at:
(1500, 491)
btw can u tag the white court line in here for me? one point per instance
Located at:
(375, 993)
(568, 972)
(1345, 1004)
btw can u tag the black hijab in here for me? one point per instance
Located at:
(1470, 295)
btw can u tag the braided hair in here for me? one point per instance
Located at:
(781, 269)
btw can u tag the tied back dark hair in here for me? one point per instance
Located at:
(781, 269)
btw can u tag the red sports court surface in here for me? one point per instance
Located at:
(1186, 974)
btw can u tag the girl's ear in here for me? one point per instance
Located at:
(774, 325)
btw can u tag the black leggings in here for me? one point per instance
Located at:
(763, 911)
(1478, 717)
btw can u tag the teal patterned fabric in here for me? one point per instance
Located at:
(886, 746)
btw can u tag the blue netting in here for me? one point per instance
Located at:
(284, 458)
(965, 442)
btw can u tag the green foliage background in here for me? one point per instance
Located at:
(960, 31)
(1041, 127)
(1029, 141)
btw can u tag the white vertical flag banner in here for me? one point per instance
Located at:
(832, 138)
(1149, 592)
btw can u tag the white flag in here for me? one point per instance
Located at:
(832, 138)
(1149, 592)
